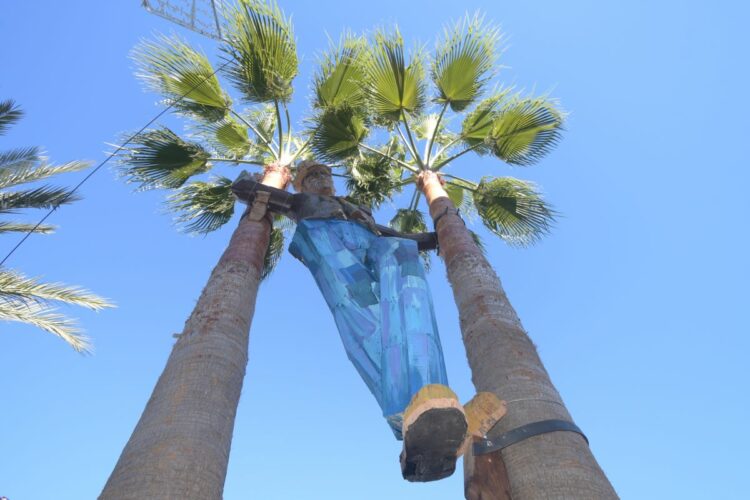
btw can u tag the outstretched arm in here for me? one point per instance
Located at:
(425, 241)
(246, 189)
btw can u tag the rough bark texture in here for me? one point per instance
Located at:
(503, 360)
(180, 447)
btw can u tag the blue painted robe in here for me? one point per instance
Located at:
(377, 291)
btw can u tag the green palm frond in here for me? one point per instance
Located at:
(371, 180)
(160, 159)
(408, 221)
(203, 207)
(23, 299)
(340, 79)
(19, 158)
(477, 125)
(24, 166)
(478, 242)
(27, 300)
(283, 228)
(229, 138)
(513, 210)
(17, 287)
(41, 197)
(457, 192)
(19, 227)
(184, 76)
(525, 129)
(285, 224)
(273, 253)
(464, 62)
(263, 120)
(46, 319)
(432, 125)
(261, 51)
(338, 134)
(393, 87)
(10, 113)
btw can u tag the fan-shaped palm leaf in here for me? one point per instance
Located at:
(477, 125)
(371, 180)
(339, 81)
(433, 126)
(408, 221)
(229, 138)
(261, 51)
(524, 130)
(456, 189)
(338, 134)
(160, 159)
(203, 207)
(393, 87)
(464, 62)
(455, 193)
(10, 113)
(263, 121)
(184, 76)
(513, 210)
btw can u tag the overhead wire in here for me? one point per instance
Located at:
(104, 162)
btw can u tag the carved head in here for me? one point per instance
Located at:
(315, 178)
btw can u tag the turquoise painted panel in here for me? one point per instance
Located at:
(376, 289)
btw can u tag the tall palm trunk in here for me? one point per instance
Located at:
(180, 447)
(504, 361)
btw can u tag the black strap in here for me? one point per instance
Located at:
(524, 432)
(448, 210)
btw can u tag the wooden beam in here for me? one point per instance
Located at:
(485, 477)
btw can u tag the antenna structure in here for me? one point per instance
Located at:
(201, 16)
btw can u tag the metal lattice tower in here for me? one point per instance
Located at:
(201, 16)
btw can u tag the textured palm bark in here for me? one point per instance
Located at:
(503, 360)
(180, 447)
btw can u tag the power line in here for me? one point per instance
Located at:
(119, 148)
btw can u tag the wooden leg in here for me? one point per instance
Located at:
(485, 477)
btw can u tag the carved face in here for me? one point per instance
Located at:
(318, 180)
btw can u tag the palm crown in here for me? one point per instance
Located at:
(27, 299)
(364, 85)
(359, 86)
(260, 61)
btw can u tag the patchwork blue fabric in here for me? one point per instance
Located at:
(377, 291)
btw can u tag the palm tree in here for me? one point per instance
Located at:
(25, 299)
(180, 446)
(377, 87)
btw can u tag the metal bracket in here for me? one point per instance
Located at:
(524, 432)
(447, 211)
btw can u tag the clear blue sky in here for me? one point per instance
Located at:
(637, 301)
